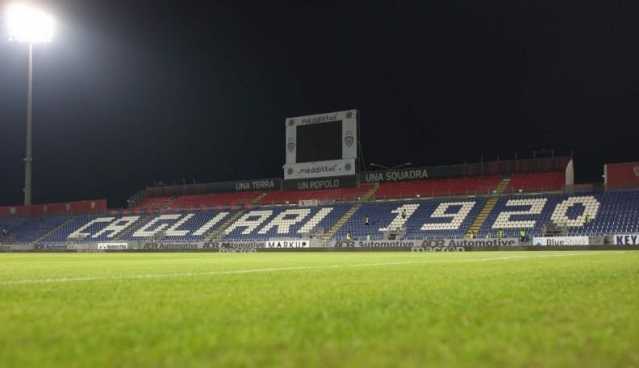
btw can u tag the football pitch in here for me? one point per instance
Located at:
(495, 309)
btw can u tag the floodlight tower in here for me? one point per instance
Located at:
(29, 25)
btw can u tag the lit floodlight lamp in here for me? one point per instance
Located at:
(30, 25)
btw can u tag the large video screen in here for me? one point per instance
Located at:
(319, 142)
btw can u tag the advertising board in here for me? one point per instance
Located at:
(561, 241)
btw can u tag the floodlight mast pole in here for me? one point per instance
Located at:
(29, 26)
(28, 160)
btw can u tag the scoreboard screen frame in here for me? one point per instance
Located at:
(305, 168)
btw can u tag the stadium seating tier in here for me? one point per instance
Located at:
(591, 214)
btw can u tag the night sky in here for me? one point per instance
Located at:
(133, 92)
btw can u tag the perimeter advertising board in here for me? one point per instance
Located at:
(113, 246)
(173, 246)
(626, 239)
(287, 244)
(468, 243)
(561, 241)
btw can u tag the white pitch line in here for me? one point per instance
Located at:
(268, 270)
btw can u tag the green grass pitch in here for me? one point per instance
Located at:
(494, 309)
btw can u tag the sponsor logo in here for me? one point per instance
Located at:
(288, 244)
(291, 146)
(472, 243)
(319, 119)
(320, 169)
(239, 245)
(349, 139)
(386, 243)
(562, 241)
(113, 246)
(161, 246)
(419, 245)
(629, 239)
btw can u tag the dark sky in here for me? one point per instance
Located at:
(136, 91)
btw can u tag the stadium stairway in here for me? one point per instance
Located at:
(218, 234)
(371, 193)
(53, 231)
(475, 227)
(259, 198)
(326, 237)
(341, 222)
(132, 229)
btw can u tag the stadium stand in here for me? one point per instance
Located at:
(174, 226)
(538, 182)
(579, 214)
(215, 200)
(590, 214)
(241, 199)
(412, 219)
(503, 198)
(341, 194)
(438, 187)
(68, 208)
(29, 229)
(285, 222)
(178, 227)
(621, 175)
(155, 203)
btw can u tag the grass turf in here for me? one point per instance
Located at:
(514, 309)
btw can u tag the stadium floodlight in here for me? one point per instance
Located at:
(30, 25)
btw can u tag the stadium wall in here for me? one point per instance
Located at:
(621, 175)
(67, 208)
(490, 168)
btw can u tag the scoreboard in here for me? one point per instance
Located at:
(319, 142)
(321, 146)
